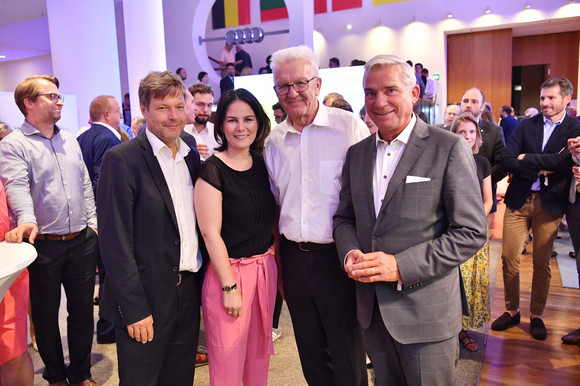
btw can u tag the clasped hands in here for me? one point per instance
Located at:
(371, 267)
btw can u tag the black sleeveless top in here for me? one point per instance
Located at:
(248, 206)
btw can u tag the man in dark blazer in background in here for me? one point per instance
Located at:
(541, 166)
(149, 242)
(227, 82)
(492, 135)
(410, 213)
(103, 134)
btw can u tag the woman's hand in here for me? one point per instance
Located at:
(233, 303)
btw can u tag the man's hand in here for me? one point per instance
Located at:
(95, 230)
(576, 171)
(574, 146)
(372, 267)
(142, 331)
(203, 150)
(27, 229)
(521, 156)
(353, 257)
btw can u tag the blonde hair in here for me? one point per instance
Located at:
(466, 118)
(28, 89)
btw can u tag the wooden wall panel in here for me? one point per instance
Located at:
(483, 60)
(559, 51)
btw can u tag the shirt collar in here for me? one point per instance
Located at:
(117, 134)
(547, 121)
(157, 145)
(320, 120)
(403, 135)
(28, 129)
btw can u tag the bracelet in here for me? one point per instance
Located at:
(229, 288)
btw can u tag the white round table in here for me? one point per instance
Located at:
(14, 258)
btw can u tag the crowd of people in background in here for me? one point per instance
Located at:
(361, 222)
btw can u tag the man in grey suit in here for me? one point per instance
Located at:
(410, 213)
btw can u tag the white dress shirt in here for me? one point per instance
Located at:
(206, 136)
(305, 171)
(180, 186)
(386, 161)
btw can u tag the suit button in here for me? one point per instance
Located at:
(175, 268)
(177, 242)
(375, 236)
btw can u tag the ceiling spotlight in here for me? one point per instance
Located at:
(527, 5)
(2, 56)
(487, 11)
(349, 27)
(450, 15)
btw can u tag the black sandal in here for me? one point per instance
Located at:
(467, 342)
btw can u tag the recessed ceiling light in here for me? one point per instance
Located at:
(349, 26)
(487, 11)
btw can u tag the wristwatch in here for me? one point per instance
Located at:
(229, 288)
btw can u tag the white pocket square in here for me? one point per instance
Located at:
(413, 179)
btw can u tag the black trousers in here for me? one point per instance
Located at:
(169, 359)
(322, 303)
(72, 265)
(105, 329)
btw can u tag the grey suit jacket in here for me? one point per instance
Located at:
(430, 226)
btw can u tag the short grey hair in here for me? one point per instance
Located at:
(407, 73)
(291, 54)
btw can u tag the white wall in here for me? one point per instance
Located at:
(423, 40)
(13, 72)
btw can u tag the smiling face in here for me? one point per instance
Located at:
(165, 117)
(240, 126)
(300, 106)
(388, 100)
(43, 109)
(553, 103)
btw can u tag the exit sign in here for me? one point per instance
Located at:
(436, 77)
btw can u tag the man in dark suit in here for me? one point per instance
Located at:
(103, 134)
(540, 162)
(508, 122)
(449, 114)
(243, 59)
(573, 218)
(493, 141)
(410, 213)
(149, 242)
(227, 82)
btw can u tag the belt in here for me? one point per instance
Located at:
(68, 237)
(306, 246)
(183, 275)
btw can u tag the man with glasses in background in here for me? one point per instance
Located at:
(50, 194)
(304, 155)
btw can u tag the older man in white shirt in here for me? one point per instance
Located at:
(304, 156)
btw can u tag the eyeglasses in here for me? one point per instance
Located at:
(298, 87)
(54, 97)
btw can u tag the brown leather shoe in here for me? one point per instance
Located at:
(86, 382)
(572, 338)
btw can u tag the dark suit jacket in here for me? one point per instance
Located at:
(492, 148)
(245, 58)
(226, 84)
(508, 125)
(431, 219)
(138, 233)
(94, 143)
(527, 138)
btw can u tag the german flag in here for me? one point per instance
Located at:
(339, 5)
(230, 13)
(273, 10)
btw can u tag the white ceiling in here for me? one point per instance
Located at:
(18, 11)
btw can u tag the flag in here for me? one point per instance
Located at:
(378, 2)
(339, 5)
(273, 10)
(319, 6)
(230, 13)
